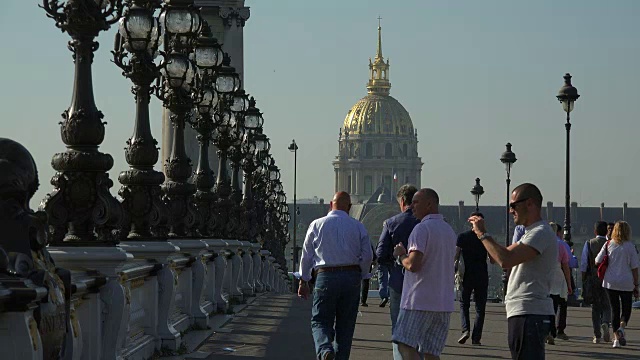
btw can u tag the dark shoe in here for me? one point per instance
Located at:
(620, 334)
(329, 355)
(364, 304)
(562, 335)
(475, 342)
(550, 340)
(384, 302)
(463, 338)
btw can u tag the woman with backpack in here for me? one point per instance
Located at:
(617, 264)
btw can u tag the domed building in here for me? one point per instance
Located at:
(377, 145)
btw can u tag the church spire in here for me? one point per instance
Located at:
(379, 70)
(379, 52)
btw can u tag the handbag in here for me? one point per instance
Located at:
(602, 268)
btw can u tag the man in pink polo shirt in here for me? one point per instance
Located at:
(427, 292)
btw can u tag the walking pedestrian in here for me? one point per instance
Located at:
(475, 280)
(337, 247)
(427, 293)
(593, 290)
(396, 230)
(529, 307)
(620, 278)
(560, 288)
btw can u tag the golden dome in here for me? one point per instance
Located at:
(378, 114)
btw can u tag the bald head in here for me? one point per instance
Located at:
(425, 202)
(529, 191)
(341, 201)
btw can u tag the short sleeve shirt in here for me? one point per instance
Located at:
(622, 259)
(474, 254)
(530, 282)
(431, 288)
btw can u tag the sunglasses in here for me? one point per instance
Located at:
(513, 204)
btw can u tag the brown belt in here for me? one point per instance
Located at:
(339, 268)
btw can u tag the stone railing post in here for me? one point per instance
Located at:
(194, 250)
(236, 271)
(247, 269)
(257, 268)
(112, 308)
(218, 246)
(159, 252)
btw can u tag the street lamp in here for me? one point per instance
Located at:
(80, 209)
(508, 158)
(136, 47)
(477, 192)
(567, 95)
(294, 148)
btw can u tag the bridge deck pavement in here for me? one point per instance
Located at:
(277, 327)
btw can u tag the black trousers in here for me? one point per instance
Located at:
(617, 314)
(365, 291)
(560, 309)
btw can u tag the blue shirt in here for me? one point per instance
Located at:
(395, 230)
(335, 240)
(517, 233)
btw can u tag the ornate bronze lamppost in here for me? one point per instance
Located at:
(208, 57)
(177, 90)
(226, 134)
(139, 37)
(567, 95)
(80, 209)
(508, 158)
(254, 144)
(477, 192)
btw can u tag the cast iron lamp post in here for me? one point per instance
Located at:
(177, 90)
(567, 95)
(254, 145)
(508, 158)
(139, 36)
(293, 147)
(477, 192)
(208, 57)
(80, 209)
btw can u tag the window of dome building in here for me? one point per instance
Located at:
(368, 150)
(405, 150)
(388, 151)
(368, 185)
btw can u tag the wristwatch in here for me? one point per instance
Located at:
(484, 236)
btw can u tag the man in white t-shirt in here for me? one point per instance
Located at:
(529, 307)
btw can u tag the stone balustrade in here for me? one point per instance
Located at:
(139, 298)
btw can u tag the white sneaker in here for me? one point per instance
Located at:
(616, 344)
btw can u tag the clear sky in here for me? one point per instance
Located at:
(474, 75)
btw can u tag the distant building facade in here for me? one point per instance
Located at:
(377, 145)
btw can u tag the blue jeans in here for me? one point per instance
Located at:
(336, 298)
(383, 281)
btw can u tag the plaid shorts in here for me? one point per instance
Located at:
(424, 330)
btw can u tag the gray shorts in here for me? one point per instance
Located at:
(424, 330)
